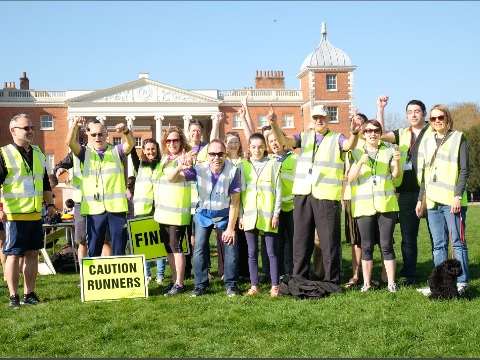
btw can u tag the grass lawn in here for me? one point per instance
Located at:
(377, 324)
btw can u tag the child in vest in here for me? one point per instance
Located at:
(260, 205)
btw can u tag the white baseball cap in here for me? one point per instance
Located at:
(319, 110)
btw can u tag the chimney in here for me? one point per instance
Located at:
(5, 85)
(269, 80)
(24, 82)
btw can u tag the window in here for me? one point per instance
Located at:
(331, 82)
(333, 111)
(262, 121)
(117, 141)
(50, 163)
(237, 123)
(46, 122)
(138, 142)
(287, 121)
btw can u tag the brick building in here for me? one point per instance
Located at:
(326, 77)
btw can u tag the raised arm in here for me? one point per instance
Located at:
(382, 101)
(216, 126)
(129, 142)
(351, 142)
(247, 120)
(71, 140)
(277, 132)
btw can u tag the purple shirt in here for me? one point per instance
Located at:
(235, 186)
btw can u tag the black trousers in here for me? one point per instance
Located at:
(324, 215)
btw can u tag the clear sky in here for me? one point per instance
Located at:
(426, 50)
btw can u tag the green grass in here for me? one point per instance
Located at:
(377, 324)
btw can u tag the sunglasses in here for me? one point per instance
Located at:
(219, 154)
(440, 118)
(26, 128)
(370, 131)
(174, 141)
(96, 134)
(265, 128)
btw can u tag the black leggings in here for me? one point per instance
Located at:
(172, 236)
(386, 225)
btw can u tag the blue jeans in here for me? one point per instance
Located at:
(201, 259)
(160, 267)
(443, 224)
(409, 224)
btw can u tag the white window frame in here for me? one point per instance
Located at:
(288, 121)
(331, 81)
(138, 142)
(333, 112)
(237, 122)
(46, 119)
(117, 141)
(49, 163)
(262, 121)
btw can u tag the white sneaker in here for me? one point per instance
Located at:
(425, 291)
(159, 280)
(462, 290)
(392, 287)
(365, 288)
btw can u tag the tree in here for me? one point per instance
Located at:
(465, 115)
(394, 121)
(473, 140)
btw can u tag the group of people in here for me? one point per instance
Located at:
(285, 190)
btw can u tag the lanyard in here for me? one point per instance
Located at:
(316, 147)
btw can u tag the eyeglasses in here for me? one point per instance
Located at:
(219, 154)
(439, 118)
(174, 141)
(370, 131)
(415, 112)
(265, 128)
(26, 128)
(96, 134)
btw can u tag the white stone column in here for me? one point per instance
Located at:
(158, 127)
(186, 122)
(130, 169)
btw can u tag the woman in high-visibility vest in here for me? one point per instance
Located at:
(261, 202)
(373, 201)
(172, 206)
(143, 201)
(285, 156)
(445, 160)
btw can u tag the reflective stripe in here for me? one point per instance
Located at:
(366, 198)
(328, 162)
(444, 170)
(14, 198)
(103, 186)
(172, 200)
(258, 195)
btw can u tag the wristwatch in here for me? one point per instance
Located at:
(459, 197)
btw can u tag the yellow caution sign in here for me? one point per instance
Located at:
(113, 278)
(144, 236)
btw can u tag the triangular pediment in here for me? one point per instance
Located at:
(144, 91)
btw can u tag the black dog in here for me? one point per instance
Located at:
(443, 280)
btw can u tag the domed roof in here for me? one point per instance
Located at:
(326, 55)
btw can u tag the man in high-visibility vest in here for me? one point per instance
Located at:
(407, 186)
(104, 199)
(317, 186)
(24, 183)
(218, 184)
